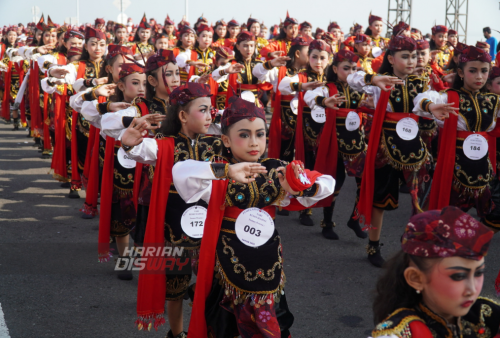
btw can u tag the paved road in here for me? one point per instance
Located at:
(51, 284)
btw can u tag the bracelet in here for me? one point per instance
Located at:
(222, 72)
(127, 148)
(425, 105)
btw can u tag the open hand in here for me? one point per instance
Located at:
(245, 172)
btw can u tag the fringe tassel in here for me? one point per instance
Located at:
(88, 210)
(400, 166)
(105, 257)
(60, 178)
(149, 321)
(76, 185)
(468, 191)
(239, 296)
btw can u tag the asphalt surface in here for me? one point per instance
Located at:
(51, 284)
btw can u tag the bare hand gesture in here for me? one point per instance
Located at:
(58, 73)
(45, 49)
(152, 120)
(117, 106)
(279, 61)
(101, 81)
(443, 110)
(245, 172)
(334, 101)
(275, 54)
(234, 68)
(386, 83)
(449, 78)
(134, 135)
(311, 85)
(203, 79)
(105, 90)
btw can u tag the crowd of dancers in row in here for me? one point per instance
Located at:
(165, 127)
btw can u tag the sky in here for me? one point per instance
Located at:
(319, 12)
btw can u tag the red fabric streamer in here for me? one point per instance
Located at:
(152, 283)
(6, 93)
(192, 69)
(443, 176)
(20, 71)
(295, 183)
(299, 129)
(233, 85)
(46, 121)
(76, 181)
(274, 148)
(365, 204)
(138, 167)
(59, 157)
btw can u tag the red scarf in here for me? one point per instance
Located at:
(299, 130)
(59, 157)
(34, 89)
(274, 148)
(46, 121)
(192, 69)
(214, 90)
(20, 71)
(6, 93)
(76, 181)
(365, 204)
(138, 167)
(92, 175)
(152, 283)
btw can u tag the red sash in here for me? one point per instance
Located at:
(152, 280)
(20, 71)
(139, 166)
(365, 204)
(299, 132)
(34, 92)
(76, 181)
(59, 156)
(214, 90)
(443, 176)
(6, 93)
(274, 147)
(46, 121)
(192, 69)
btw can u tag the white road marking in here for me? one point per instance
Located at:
(4, 330)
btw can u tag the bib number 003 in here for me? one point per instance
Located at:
(254, 227)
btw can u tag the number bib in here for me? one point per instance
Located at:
(475, 147)
(254, 227)
(352, 121)
(319, 117)
(125, 160)
(193, 221)
(407, 129)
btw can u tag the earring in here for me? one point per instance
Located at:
(229, 150)
(418, 291)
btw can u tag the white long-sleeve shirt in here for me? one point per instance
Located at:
(193, 181)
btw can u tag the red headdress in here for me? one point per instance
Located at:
(422, 44)
(251, 21)
(459, 48)
(245, 36)
(400, 28)
(360, 38)
(233, 23)
(114, 50)
(482, 44)
(449, 232)
(74, 51)
(240, 109)
(220, 23)
(99, 21)
(203, 27)
(345, 55)
(73, 34)
(186, 29)
(452, 32)
(118, 26)
(50, 26)
(41, 23)
(299, 41)
(328, 37)
(399, 43)
(144, 23)
(319, 31)
(186, 93)
(169, 22)
(183, 23)
(201, 19)
(319, 45)
(94, 33)
(373, 18)
(357, 27)
(224, 53)
(305, 24)
(159, 59)
(439, 29)
(290, 21)
(333, 25)
(11, 29)
(130, 68)
(494, 73)
(471, 53)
